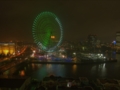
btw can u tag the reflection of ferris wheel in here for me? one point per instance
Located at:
(47, 31)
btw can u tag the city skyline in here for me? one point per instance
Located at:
(78, 18)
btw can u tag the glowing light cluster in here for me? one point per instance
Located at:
(45, 26)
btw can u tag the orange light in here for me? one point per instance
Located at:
(22, 73)
(74, 68)
(5, 51)
(52, 37)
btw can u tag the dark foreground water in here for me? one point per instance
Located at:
(91, 71)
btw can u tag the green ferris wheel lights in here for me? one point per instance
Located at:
(45, 25)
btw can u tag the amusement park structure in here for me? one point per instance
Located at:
(47, 31)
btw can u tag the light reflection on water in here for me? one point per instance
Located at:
(39, 71)
(47, 70)
(100, 69)
(74, 68)
(22, 73)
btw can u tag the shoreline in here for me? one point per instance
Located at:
(65, 62)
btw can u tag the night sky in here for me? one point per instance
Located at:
(79, 18)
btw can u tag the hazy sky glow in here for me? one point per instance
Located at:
(79, 18)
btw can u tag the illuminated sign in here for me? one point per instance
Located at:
(52, 37)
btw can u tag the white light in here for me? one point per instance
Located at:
(98, 54)
(63, 56)
(104, 57)
(101, 54)
(74, 53)
(33, 51)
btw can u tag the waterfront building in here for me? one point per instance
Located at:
(7, 48)
(118, 40)
(92, 39)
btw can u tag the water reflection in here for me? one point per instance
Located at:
(49, 66)
(59, 70)
(22, 73)
(99, 69)
(6, 72)
(74, 68)
(10, 71)
(39, 71)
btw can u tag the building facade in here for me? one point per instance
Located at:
(118, 38)
(7, 48)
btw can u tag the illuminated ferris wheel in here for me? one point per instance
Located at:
(47, 31)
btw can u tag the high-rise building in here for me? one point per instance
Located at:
(117, 38)
(92, 39)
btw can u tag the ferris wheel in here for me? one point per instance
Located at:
(47, 31)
